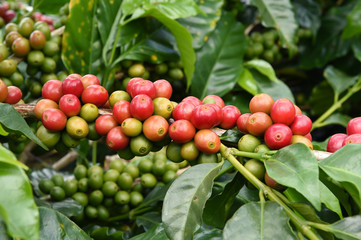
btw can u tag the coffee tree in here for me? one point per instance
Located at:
(187, 119)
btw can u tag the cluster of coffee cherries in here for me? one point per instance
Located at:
(31, 44)
(68, 110)
(7, 12)
(111, 192)
(280, 123)
(353, 135)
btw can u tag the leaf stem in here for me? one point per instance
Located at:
(336, 105)
(260, 156)
(299, 223)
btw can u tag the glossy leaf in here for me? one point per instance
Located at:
(322, 146)
(343, 166)
(238, 99)
(328, 45)
(356, 47)
(81, 49)
(219, 62)
(308, 14)
(155, 196)
(337, 118)
(133, 9)
(3, 233)
(156, 233)
(353, 26)
(17, 206)
(154, 44)
(278, 14)
(231, 136)
(182, 215)
(203, 24)
(262, 67)
(247, 82)
(11, 120)
(49, 6)
(348, 228)
(217, 208)
(208, 234)
(148, 220)
(107, 18)
(7, 156)
(68, 207)
(275, 89)
(56, 226)
(338, 80)
(296, 166)
(257, 220)
(330, 200)
(321, 98)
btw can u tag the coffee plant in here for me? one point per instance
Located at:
(183, 119)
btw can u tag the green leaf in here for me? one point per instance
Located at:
(353, 26)
(148, 220)
(238, 99)
(356, 47)
(8, 157)
(328, 45)
(13, 121)
(308, 14)
(107, 17)
(182, 215)
(56, 226)
(106, 233)
(337, 118)
(208, 234)
(247, 82)
(276, 90)
(231, 136)
(217, 208)
(263, 67)
(257, 220)
(49, 6)
(343, 166)
(2, 131)
(278, 14)
(321, 98)
(142, 43)
(203, 24)
(133, 9)
(3, 233)
(81, 49)
(68, 207)
(322, 146)
(296, 166)
(17, 207)
(338, 80)
(219, 61)
(330, 200)
(156, 233)
(348, 228)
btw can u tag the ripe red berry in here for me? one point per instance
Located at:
(258, 123)
(116, 139)
(183, 111)
(70, 105)
(181, 131)
(278, 136)
(301, 125)
(230, 115)
(193, 100)
(88, 80)
(3, 91)
(14, 95)
(121, 111)
(163, 88)
(261, 103)
(130, 84)
(207, 141)
(335, 142)
(242, 122)
(354, 126)
(95, 94)
(104, 124)
(155, 128)
(283, 111)
(353, 138)
(72, 86)
(53, 90)
(143, 87)
(204, 117)
(54, 119)
(141, 107)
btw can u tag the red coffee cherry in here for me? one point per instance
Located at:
(278, 136)
(283, 111)
(54, 119)
(207, 141)
(354, 126)
(353, 138)
(242, 122)
(335, 142)
(258, 123)
(261, 103)
(230, 115)
(301, 125)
